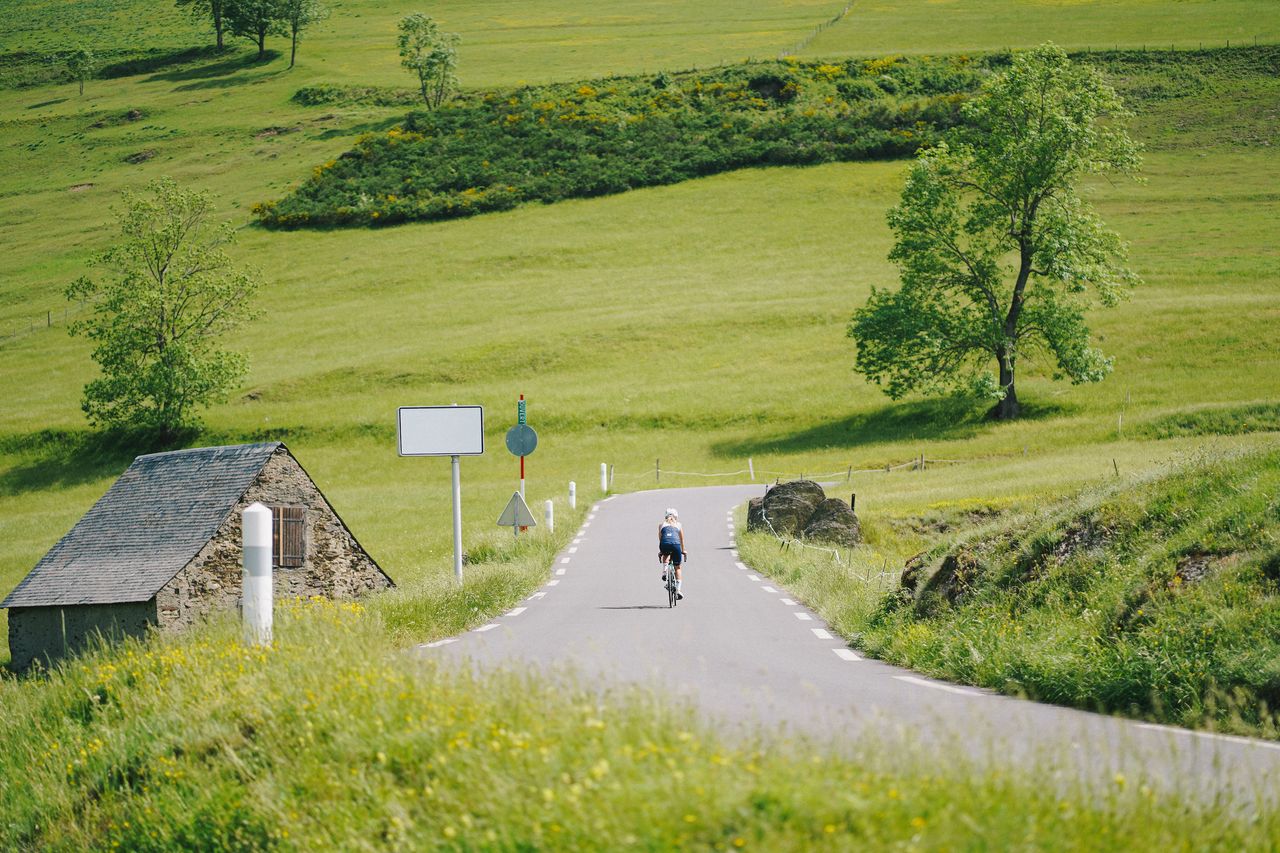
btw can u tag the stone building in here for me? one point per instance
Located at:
(162, 548)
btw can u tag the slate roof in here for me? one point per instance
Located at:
(145, 529)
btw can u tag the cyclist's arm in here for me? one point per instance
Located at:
(682, 548)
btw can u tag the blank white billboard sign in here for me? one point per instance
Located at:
(440, 430)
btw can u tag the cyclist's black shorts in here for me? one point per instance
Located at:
(673, 551)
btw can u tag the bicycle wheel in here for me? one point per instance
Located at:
(671, 592)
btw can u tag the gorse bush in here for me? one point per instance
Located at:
(493, 150)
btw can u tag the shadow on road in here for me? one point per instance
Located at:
(637, 607)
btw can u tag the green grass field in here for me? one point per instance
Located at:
(558, 302)
(956, 26)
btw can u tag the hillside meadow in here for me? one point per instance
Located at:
(572, 303)
(956, 26)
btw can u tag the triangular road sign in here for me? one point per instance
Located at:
(516, 514)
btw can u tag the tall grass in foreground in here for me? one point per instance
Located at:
(1156, 597)
(333, 739)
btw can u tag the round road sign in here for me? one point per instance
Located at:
(521, 440)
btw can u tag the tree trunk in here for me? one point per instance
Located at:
(82, 87)
(293, 49)
(262, 44)
(1008, 408)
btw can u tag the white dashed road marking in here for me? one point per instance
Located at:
(804, 617)
(516, 611)
(577, 541)
(846, 654)
(573, 550)
(560, 571)
(911, 679)
(488, 627)
(537, 595)
(438, 643)
(788, 602)
(564, 560)
(769, 589)
(754, 578)
(741, 565)
(552, 583)
(821, 633)
(1208, 735)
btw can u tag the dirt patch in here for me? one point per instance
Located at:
(79, 188)
(268, 132)
(140, 156)
(1084, 534)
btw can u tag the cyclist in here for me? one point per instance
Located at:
(671, 547)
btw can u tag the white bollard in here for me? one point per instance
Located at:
(549, 512)
(604, 477)
(256, 591)
(751, 466)
(573, 495)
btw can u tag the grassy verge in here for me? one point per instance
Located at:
(330, 740)
(1156, 597)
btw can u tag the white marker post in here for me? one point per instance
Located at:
(452, 431)
(751, 466)
(604, 477)
(256, 591)
(573, 495)
(549, 512)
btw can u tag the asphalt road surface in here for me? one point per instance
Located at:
(751, 655)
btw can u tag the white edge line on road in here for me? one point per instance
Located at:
(821, 633)
(561, 571)
(564, 560)
(516, 611)
(1247, 741)
(585, 525)
(573, 550)
(552, 582)
(769, 589)
(804, 617)
(741, 565)
(438, 643)
(788, 602)
(846, 654)
(537, 595)
(488, 627)
(921, 682)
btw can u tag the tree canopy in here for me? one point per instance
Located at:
(999, 256)
(431, 54)
(155, 320)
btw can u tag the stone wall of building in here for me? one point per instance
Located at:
(52, 633)
(335, 565)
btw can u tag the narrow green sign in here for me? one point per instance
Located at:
(521, 417)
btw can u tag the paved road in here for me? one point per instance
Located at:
(752, 655)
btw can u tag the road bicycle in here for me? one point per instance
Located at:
(669, 572)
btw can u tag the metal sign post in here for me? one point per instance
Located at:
(454, 431)
(521, 439)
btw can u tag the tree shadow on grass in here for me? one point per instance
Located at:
(211, 71)
(65, 458)
(937, 419)
(46, 103)
(360, 129)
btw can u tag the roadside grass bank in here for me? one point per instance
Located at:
(331, 739)
(1155, 596)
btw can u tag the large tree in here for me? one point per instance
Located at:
(215, 10)
(300, 15)
(171, 290)
(999, 256)
(255, 20)
(431, 54)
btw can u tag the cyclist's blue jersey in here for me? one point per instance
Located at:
(670, 535)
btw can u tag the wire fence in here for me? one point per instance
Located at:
(753, 474)
(13, 329)
(817, 31)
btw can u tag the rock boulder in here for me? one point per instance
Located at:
(833, 522)
(789, 506)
